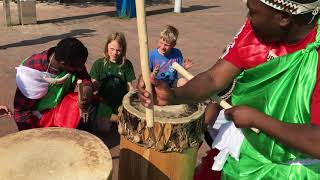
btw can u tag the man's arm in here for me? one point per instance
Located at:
(204, 85)
(87, 88)
(23, 111)
(200, 88)
(305, 138)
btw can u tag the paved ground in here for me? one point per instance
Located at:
(205, 28)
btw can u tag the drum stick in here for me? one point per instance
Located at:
(144, 57)
(224, 104)
(84, 115)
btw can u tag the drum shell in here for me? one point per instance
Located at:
(166, 151)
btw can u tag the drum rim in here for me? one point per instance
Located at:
(30, 132)
(193, 117)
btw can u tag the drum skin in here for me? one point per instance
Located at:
(54, 154)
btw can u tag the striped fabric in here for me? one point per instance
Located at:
(293, 7)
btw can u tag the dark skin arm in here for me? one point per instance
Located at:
(302, 137)
(200, 88)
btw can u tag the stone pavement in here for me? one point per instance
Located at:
(205, 29)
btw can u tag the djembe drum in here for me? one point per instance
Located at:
(54, 154)
(166, 151)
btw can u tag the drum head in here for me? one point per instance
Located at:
(173, 114)
(54, 153)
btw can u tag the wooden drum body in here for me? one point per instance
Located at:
(166, 151)
(54, 154)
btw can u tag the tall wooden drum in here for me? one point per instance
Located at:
(166, 151)
(54, 154)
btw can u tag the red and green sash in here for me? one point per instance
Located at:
(281, 88)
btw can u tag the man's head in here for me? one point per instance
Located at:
(168, 39)
(71, 54)
(272, 19)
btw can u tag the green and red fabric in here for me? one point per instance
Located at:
(25, 105)
(247, 52)
(282, 88)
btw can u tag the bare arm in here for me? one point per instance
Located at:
(204, 85)
(303, 137)
(200, 88)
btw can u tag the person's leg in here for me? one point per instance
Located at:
(210, 116)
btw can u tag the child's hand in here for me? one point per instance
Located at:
(155, 70)
(4, 110)
(187, 63)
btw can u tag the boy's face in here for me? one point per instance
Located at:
(265, 21)
(164, 47)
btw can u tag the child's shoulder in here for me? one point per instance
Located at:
(99, 61)
(153, 51)
(176, 50)
(128, 62)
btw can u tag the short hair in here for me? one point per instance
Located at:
(170, 34)
(71, 51)
(120, 38)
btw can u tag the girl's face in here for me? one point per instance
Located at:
(114, 50)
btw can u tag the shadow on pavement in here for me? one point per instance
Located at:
(113, 14)
(78, 33)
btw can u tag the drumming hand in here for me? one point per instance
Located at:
(244, 116)
(162, 94)
(85, 100)
(5, 110)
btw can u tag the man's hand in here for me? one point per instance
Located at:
(162, 94)
(187, 63)
(4, 110)
(244, 116)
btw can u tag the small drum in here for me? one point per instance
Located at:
(54, 154)
(170, 146)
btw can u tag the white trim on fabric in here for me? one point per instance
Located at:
(30, 82)
(228, 142)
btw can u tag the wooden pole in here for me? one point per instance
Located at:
(7, 14)
(224, 104)
(144, 57)
(83, 114)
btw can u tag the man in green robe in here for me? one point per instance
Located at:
(275, 60)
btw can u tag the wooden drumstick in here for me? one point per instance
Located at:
(144, 57)
(224, 104)
(84, 115)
